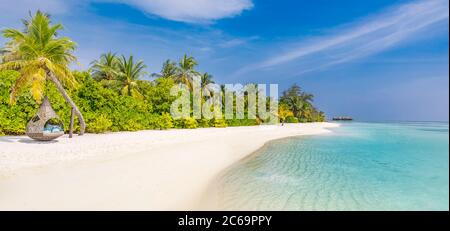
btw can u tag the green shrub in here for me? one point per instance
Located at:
(203, 123)
(291, 119)
(186, 123)
(241, 122)
(158, 95)
(190, 123)
(303, 120)
(99, 124)
(13, 118)
(163, 121)
(219, 123)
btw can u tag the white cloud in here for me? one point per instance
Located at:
(363, 38)
(191, 11)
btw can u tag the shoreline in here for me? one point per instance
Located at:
(209, 198)
(143, 170)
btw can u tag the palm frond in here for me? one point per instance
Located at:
(38, 84)
(13, 34)
(13, 65)
(136, 94)
(65, 76)
(35, 51)
(124, 90)
(21, 83)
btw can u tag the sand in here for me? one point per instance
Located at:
(144, 170)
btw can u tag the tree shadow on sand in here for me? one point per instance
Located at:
(25, 140)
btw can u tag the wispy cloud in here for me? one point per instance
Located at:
(191, 11)
(237, 42)
(152, 43)
(361, 39)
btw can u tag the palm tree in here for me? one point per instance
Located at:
(206, 79)
(298, 101)
(284, 112)
(294, 90)
(129, 73)
(295, 103)
(169, 70)
(307, 98)
(307, 109)
(186, 70)
(39, 55)
(106, 68)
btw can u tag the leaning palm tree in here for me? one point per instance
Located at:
(129, 73)
(106, 68)
(186, 70)
(39, 55)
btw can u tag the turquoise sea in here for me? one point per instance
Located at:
(360, 166)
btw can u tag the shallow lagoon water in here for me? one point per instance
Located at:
(360, 166)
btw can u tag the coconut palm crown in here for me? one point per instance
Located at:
(38, 54)
(206, 79)
(168, 70)
(129, 72)
(186, 70)
(105, 68)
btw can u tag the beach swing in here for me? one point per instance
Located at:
(46, 124)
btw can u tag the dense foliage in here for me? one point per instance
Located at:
(296, 105)
(40, 56)
(103, 108)
(112, 95)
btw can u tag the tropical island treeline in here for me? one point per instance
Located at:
(115, 94)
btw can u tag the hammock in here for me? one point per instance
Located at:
(46, 124)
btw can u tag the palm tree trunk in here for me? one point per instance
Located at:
(72, 114)
(68, 100)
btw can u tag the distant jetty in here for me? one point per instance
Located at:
(347, 118)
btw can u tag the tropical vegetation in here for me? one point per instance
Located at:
(300, 104)
(114, 94)
(39, 56)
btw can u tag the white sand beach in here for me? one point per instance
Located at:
(144, 170)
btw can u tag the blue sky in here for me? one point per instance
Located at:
(373, 60)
